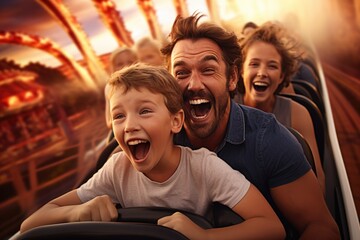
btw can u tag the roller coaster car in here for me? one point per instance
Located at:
(140, 223)
(133, 223)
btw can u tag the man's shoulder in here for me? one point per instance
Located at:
(254, 116)
(262, 125)
(251, 110)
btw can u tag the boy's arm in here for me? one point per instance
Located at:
(69, 208)
(260, 222)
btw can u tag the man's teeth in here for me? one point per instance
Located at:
(198, 101)
(135, 142)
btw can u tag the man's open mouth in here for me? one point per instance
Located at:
(260, 86)
(199, 108)
(139, 148)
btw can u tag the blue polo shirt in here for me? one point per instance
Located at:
(262, 149)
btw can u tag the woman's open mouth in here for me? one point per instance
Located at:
(260, 86)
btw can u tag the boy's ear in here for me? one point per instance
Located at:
(177, 121)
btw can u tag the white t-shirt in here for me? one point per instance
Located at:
(200, 179)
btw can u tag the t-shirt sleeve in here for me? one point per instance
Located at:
(282, 155)
(101, 183)
(226, 185)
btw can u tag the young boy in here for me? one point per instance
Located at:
(146, 110)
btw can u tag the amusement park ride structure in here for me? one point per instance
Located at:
(26, 102)
(32, 122)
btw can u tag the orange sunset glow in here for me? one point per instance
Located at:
(54, 64)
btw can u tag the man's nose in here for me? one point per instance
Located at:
(195, 82)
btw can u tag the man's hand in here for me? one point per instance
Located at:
(184, 225)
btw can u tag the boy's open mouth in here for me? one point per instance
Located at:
(139, 148)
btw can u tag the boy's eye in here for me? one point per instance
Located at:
(145, 111)
(119, 116)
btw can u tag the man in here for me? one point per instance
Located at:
(205, 60)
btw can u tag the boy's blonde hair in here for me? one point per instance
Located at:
(153, 78)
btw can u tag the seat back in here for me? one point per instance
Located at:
(306, 148)
(103, 157)
(311, 63)
(312, 92)
(316, 117)
(305, 72)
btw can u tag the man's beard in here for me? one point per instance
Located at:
(207, 130)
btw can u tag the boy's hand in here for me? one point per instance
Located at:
(184, 225)
(100, 208)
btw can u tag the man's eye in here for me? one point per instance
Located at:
(209, 71)
(181, 74)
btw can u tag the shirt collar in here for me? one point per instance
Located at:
(235, 132)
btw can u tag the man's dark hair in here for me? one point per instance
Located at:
(189, 28)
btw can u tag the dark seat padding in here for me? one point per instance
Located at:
(101, 231)
(311, 91)
(317, 119)
(305, 146)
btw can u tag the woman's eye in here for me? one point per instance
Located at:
(273, 66)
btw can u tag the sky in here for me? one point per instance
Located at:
(28, 16)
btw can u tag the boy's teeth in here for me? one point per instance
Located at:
(135, 142)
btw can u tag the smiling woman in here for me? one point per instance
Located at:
(271, 57)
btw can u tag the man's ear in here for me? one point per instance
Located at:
(177, 121)
(234, 78)
(282, 77)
